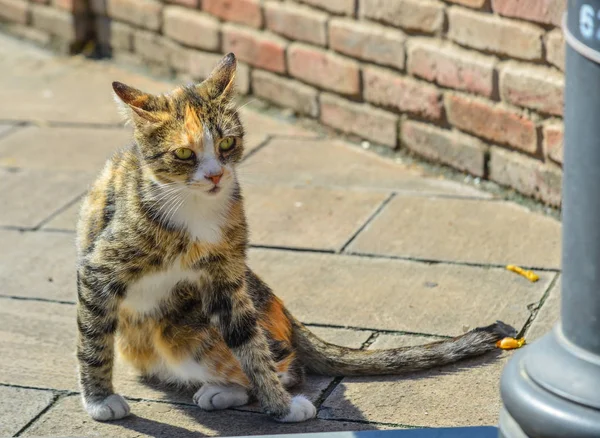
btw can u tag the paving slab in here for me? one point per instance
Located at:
(547, 316)
(28, 196)
(5, 128)
(45, 267)
(395, 294)
(461, 230)
(60, 148)
(335, 163)
(462, 394)
(19, 406)
(66, 220)
(309, 217)
(67, 418)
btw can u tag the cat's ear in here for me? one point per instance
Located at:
(220, 84)
(137, 106)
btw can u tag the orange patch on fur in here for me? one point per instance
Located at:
(195, 251)
(193, 125)
(276, 322)
(135, 343)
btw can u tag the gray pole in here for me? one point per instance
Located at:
(552, 387)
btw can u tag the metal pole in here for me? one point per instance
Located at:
(552, 387)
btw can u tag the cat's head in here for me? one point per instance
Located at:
(192, 136)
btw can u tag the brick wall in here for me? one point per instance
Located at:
(475, 84)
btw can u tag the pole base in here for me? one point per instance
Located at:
(531, 406)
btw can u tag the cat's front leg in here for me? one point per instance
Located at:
(237, 319)
(98, 300)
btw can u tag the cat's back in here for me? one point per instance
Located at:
(99, 205)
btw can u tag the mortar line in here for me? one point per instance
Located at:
(55, 399)
(368, 221)
(534, 313)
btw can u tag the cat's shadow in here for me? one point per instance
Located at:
(249, 421)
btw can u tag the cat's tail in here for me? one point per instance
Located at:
(323, 358)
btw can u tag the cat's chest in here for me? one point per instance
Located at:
(147, 294)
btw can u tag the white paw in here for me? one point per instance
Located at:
(212, 397)
(113, 407)
(301, 409)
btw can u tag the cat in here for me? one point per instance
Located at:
(162, 242)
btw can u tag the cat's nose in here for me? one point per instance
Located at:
(214, 177)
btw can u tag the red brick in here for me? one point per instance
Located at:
(527, 175)
(450, 66)
(142, 13)
(285, 92)
(386, 88)
(256, 48)
(538, 88)
(194, 4)
(422, 15)
(491, 121)
(476, 4)
(456, 149)
(297, 22)
(16, 11)
(191, 28)
(553, 141)
(495, 34)
(541, 11)
(54, 21)
(324, 69)
(236, 11)
(367, 41)
(555, 48)
(339, 7)
(359, 119)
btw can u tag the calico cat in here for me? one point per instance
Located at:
(161, 271)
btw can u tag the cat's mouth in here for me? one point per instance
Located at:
(214, 190)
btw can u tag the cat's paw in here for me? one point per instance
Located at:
(301, 409)
(113, 407)
(214, 397)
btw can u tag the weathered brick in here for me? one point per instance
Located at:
(324, 69)
(422, 15)
(257, 49)
(553, 133)
(53, 21)
(195, 63)
(191, 28)
(541, 11)
(242, 78)
(451, 66)
(367, 41)
(16, 11)
(359, 119)
(527, 175)
(75, 6)
(495, 34)
(117, 35)
(476, 4)
(555, 48)
(297, 22)
(491, 121)
(459, 150)
(539, 88)
(285, 92)
(386, 88)
(142, 13)
(154, 47)
(340, 7)
(27, 33)
(194, 4)
(236, 11)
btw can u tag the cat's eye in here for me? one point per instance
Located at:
(183, 153)
(226, 143)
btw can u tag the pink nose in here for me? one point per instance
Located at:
(214, 178)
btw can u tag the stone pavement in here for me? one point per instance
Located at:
(368, 252)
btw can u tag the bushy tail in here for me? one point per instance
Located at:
(323, 358)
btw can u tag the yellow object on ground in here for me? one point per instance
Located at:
(529, 275)
(510, 343)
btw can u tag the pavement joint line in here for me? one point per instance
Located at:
(55, 398)
(377, 423)
(59, 211)
(370, 219)
(534, 313)
(260, 146)
(369, 341)
(14, 127)
(37, 299)
(445, 262)
(293, 249)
